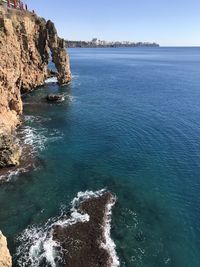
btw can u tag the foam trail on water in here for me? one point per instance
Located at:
(38, 137)
(109, 244)
(33, 137)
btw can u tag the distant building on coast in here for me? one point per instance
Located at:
(95, 43)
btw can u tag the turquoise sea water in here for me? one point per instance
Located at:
(132, 125)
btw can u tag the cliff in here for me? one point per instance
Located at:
(26, 43)
(5, 258)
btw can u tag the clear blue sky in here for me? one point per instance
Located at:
(168, 22)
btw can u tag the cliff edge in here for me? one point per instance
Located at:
(26, 43)
(5, 258)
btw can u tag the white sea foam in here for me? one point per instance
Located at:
(10, 174)
(33, 137)
(38, 137)
(37, 245)
(109, 244)
(26, 136)
(32, 140)
(29, 118)
(38, 119)
(51, 80)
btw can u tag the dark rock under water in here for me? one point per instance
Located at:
(83, 243)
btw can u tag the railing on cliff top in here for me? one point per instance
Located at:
(16, 4)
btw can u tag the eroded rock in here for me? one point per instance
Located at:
(26, 42)
(59, 56)
(5, 257)
(88, 243)
(55, 98)
(10, 151)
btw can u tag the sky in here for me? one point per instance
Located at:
(167, 22)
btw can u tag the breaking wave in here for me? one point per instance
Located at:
(109, 244)
(33, 137)
(38, 136)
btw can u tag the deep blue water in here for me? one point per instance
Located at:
(133, 127)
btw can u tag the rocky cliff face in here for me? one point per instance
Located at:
(5, 258)
(26, 42)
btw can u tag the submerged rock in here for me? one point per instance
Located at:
(87, 242)
(5, 257)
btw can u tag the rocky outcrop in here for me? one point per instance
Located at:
(59, 56)
(26, 42)
(88, 242)
(52, 98)
(5, 257)
(10, 151)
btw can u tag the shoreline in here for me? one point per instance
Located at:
(121, 47)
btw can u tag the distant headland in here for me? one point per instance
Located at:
(95, 43)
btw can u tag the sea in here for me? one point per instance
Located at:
(130, 124)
